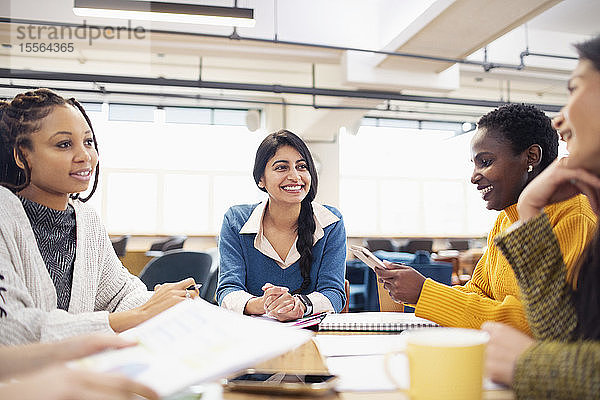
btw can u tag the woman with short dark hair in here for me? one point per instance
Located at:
(512, 145)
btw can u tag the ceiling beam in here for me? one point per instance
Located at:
(459, 29)
(312, 91)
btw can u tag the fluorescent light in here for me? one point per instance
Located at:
(165, 12)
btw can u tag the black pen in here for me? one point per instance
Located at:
(195, 287)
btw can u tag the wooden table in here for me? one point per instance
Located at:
(306, 359)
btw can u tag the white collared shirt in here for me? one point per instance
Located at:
(323, 217)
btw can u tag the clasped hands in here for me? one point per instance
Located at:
(280, 304)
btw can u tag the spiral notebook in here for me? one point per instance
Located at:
(374, 321)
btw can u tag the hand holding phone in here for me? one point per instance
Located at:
(367, 257)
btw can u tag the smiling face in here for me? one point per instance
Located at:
(286, 177)
(499, 174)
(62, 158)
(579, 122)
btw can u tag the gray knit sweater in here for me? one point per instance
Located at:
(101, 284)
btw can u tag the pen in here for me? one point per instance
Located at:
(196, 287)
(320, 315)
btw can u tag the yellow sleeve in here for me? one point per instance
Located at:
(448, 306)
(471, 305)
(573, 234)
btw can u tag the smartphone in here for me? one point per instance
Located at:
(281, 382)
(367, 257)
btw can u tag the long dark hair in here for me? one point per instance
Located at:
(306, 222)
(587, 271)
(21, 117)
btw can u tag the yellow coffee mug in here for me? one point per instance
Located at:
(445, 363)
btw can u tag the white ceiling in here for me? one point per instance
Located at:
(375, 24)
(570, 16)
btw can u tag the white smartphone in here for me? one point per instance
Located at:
(367, 257)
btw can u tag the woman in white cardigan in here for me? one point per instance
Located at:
(59, 275)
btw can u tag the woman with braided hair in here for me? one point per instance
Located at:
(60, 273)
(284, 257)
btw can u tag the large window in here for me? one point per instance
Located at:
(176, 170)
(172, 170)
(403, 178)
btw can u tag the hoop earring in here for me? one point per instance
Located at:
(530, 168)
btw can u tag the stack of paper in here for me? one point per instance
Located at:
(195, 342)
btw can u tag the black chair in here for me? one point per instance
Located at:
(175, 242)
(209, 288)
(171, 243)
(120, 245)
(459, 244)
(363, 292)
(158, 245)
(381, 244)
(177, 265)
(418, 244)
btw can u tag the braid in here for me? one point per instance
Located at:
(78, 105)
(306, 229)
(19, 118)
(8, 168)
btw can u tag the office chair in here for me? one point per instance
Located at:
(174, 242)
(177, 265)
(459, 244)
(381, 244)
(418, 244)
(158, 245)
(209, 288)
(357, 275)
(120, 245)
(171, 243)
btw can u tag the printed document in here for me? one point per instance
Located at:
(195, 342)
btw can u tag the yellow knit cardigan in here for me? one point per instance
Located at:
(493, 293)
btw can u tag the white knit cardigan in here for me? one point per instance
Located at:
(101, 284)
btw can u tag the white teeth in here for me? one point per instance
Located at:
(292, 187)
(82, 173)
(486, 190)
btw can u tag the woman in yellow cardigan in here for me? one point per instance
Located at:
(513, 144)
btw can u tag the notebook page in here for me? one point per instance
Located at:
(374, 321)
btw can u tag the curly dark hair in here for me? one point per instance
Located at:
(522, 125)
(590, 50)
(21, 117)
